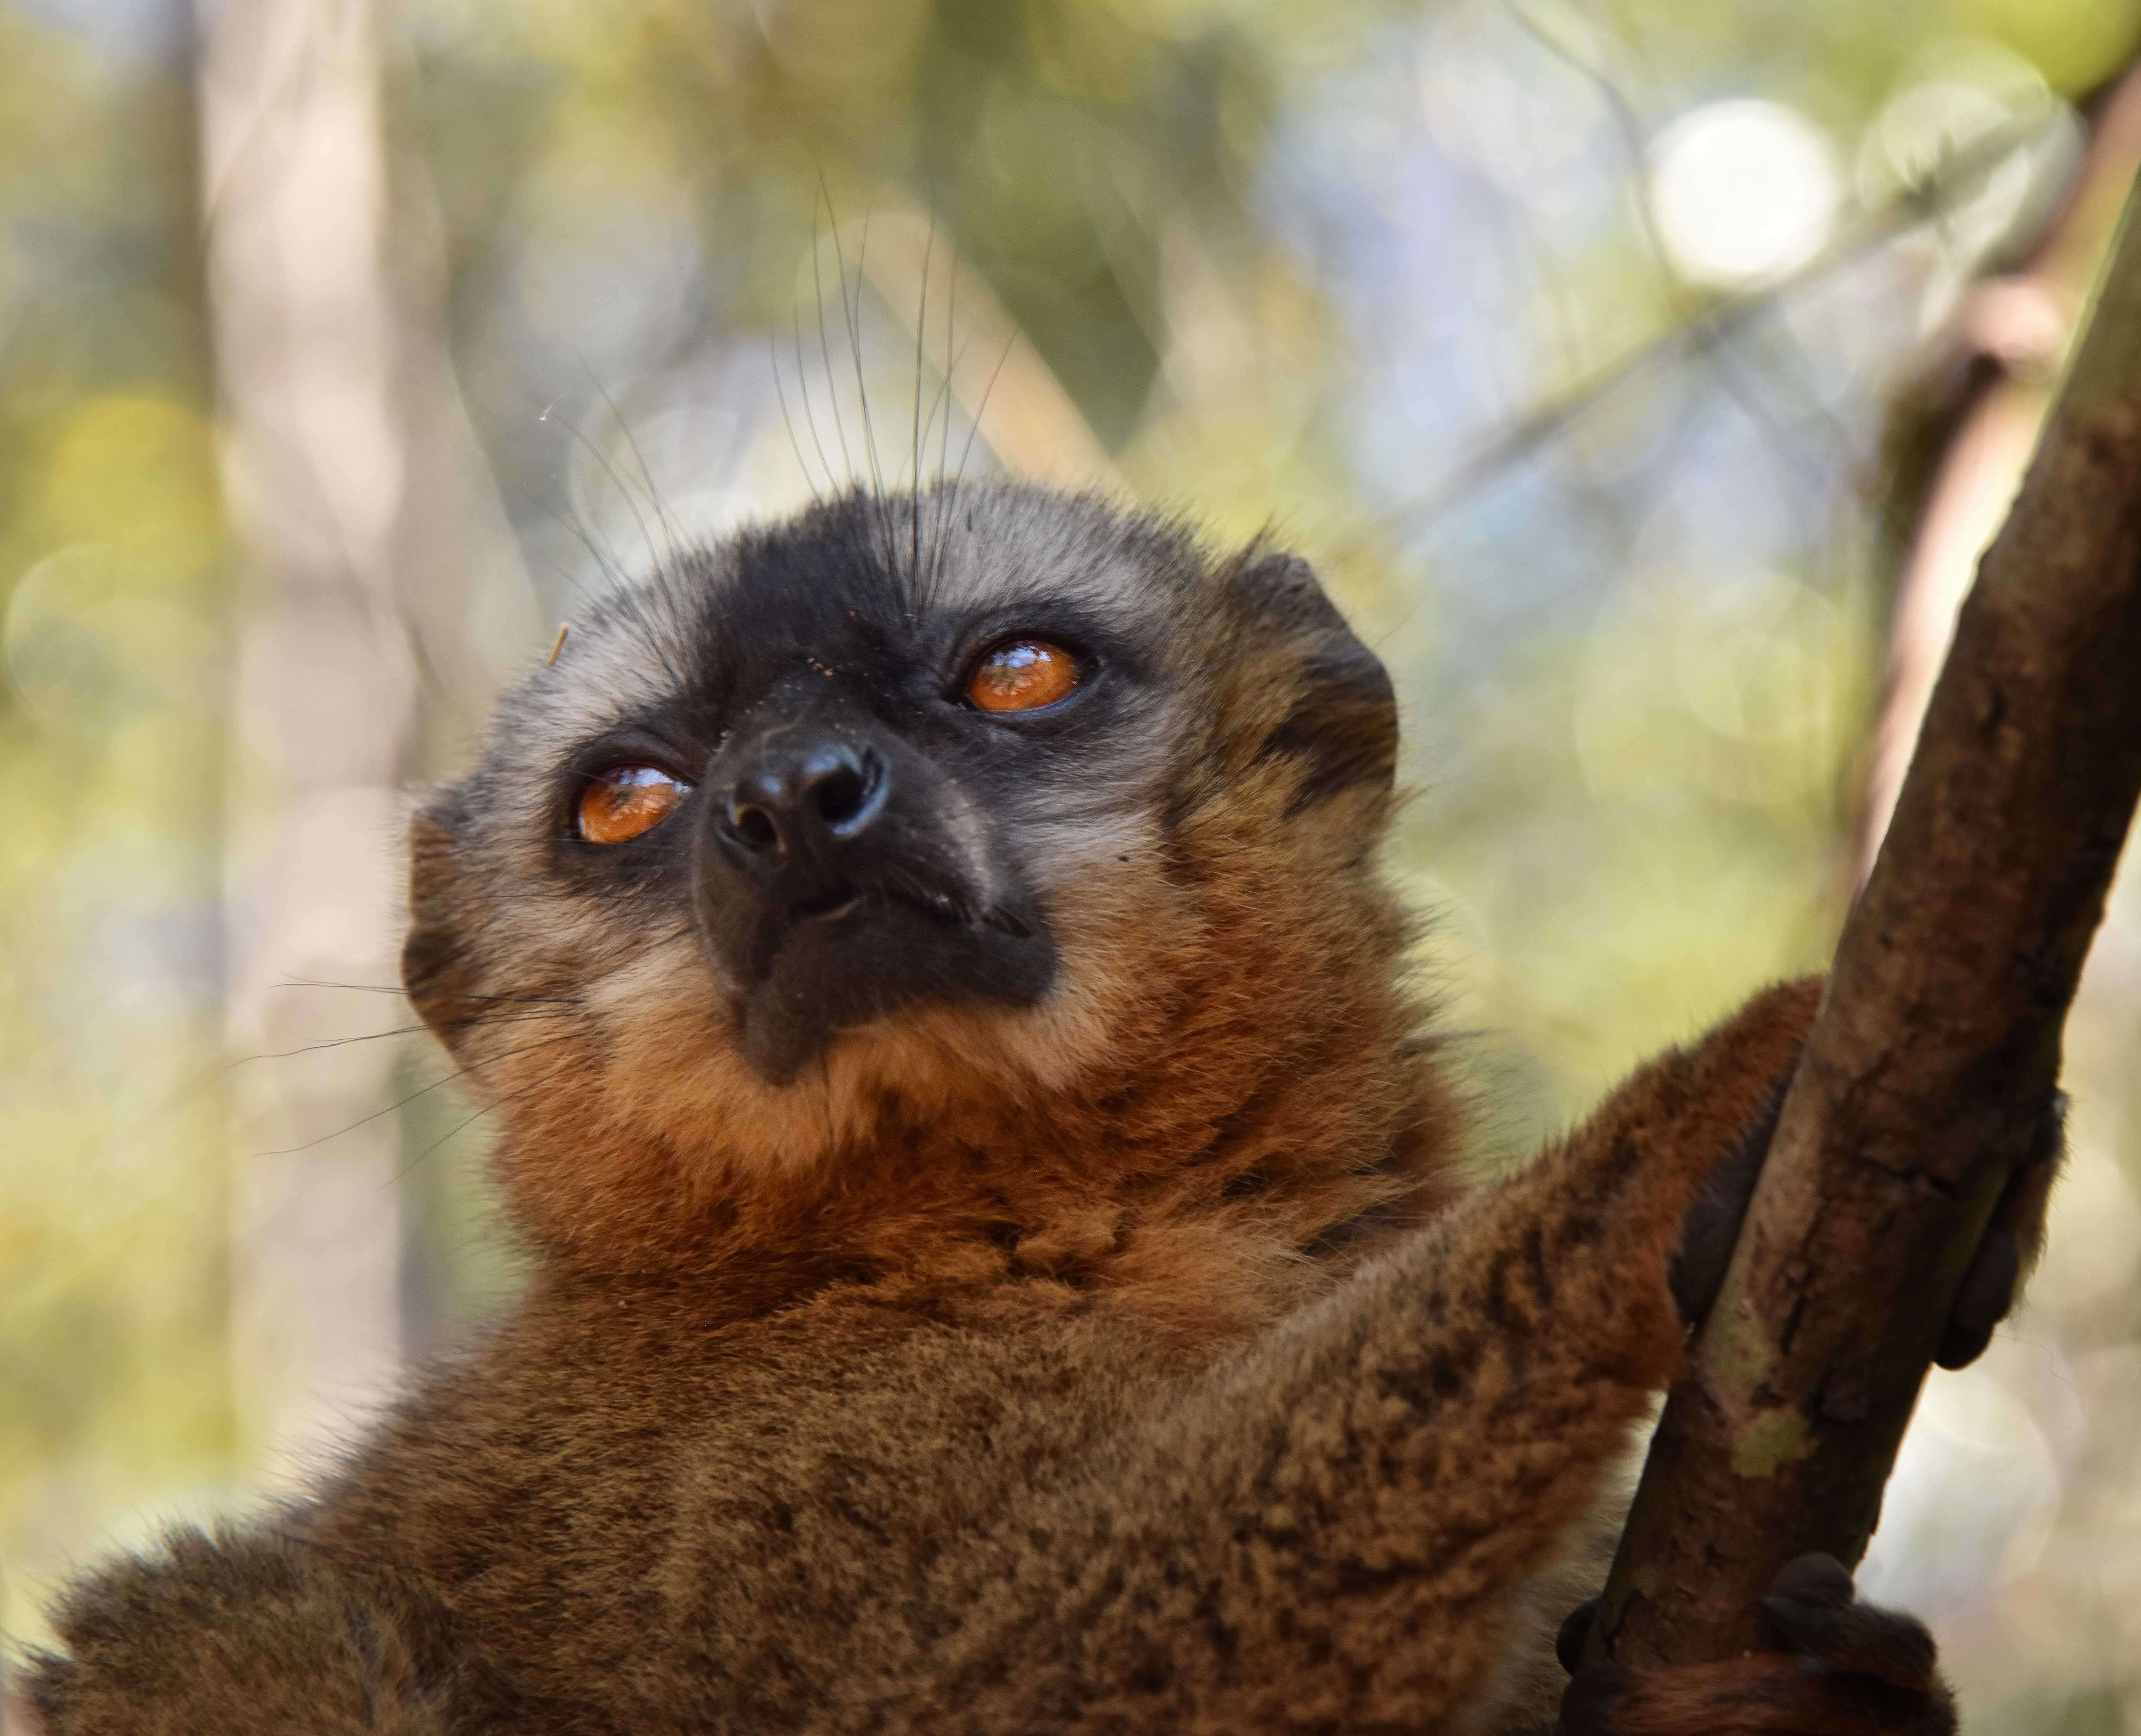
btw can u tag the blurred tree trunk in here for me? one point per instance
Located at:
(316, 463)
(2013, 333)
(383, 604)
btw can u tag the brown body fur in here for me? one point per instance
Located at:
(999, 1504)
(1168, 1380)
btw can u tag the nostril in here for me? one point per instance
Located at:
(839, 794)
(846, 791)
(753, 825)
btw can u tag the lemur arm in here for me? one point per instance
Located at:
(1328, 1533)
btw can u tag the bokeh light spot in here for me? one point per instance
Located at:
(1743, 192)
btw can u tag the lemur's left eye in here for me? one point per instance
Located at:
(626, 800)
(1022, 675)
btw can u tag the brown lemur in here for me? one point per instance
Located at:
(1000, 1257)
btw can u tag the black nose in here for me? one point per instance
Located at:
(802, 798)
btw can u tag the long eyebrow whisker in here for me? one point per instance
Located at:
(787, 416)
(625, 588)
(880, 506)
(959, 480)
(622, 593)
(955, 353)
(825, 344)
(810, 415)
(617, 481)
(661, 576)
(914, 446)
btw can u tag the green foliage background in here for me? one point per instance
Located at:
(1639, 660)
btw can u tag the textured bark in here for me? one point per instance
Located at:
(1935, 1052)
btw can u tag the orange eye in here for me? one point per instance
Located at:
(1022, 675)
(625, 801)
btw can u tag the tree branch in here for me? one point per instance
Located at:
(1935, 1049)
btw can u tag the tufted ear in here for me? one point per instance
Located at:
(1342, 720)
(437, 974)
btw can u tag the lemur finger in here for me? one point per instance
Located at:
(2011, 1246)
(1812, 1611)
(1817, 1579)
(1856, 1640)
(1575, 1629)
(1987, 1293)
(2022, 1206)
(1712, 1224)
(1590, 1702)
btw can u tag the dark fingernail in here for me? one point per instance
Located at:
(1819, 1580)
(1712, 1226)
(1587, 1704)
(1986, 1293)
(1574, 1630)
(1788, 1626)
(1988, 1287)
(1962, 1346)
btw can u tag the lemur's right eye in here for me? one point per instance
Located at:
(620, 803)
(1022, 675)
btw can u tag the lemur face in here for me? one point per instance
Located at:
(886, 803)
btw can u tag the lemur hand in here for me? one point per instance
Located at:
(1829, 1666)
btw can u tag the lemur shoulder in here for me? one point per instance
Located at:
(1002, 1260)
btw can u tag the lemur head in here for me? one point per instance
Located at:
(987, 829)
